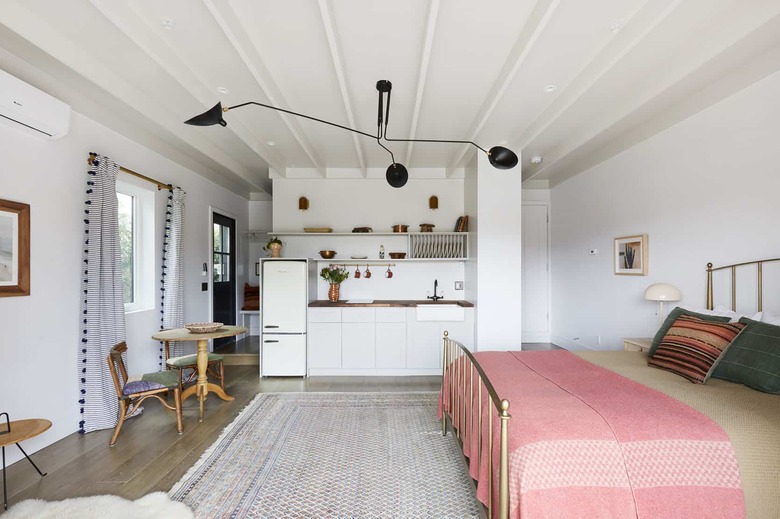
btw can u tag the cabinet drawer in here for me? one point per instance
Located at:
(324, 315)
(357, 315)
(390, 315)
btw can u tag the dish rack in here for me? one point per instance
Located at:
(438, 245)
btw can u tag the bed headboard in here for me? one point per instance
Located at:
(760, 281)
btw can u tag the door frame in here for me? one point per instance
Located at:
(536, 337)
(210, 275)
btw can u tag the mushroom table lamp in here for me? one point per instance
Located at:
(662, 292)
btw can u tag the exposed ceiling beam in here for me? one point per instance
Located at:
(142, 35)
(338, 68)
(532, 30)
(422, 75)
(235, 33)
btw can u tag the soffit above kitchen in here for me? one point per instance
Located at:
(571, 82)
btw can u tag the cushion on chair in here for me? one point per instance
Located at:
(165, 378)
(141, 386)
(186, 361)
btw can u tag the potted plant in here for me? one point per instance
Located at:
(274, 246)
(334, 274)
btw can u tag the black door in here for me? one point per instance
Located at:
(224, 273)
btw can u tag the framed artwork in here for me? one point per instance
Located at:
(14, 249)
(631, 255)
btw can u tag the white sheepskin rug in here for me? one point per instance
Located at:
(152, 506)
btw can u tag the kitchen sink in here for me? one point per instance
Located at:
(440, 311)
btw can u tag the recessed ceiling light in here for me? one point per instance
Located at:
(550, 88)
(271, 143)
(616, 25)
(536, 159)
(223, 90)
(167, 23)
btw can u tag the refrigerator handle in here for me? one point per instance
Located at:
(271, 341)
(270, 326)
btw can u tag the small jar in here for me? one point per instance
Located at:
(381, 252)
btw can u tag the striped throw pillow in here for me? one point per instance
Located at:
(692, 346)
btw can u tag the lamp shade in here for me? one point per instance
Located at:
(396, 175)
(209, 118)
(502, 158)
(662, 292)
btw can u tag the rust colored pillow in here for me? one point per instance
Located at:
(251, 297)
(692, 346)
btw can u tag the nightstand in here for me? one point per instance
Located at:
(637, 343)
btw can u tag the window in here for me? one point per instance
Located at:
(136, 244)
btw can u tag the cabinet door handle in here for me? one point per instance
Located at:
(270, 341)
(270, 326)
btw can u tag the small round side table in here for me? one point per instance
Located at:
(18, 431)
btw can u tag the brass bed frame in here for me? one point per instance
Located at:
(460, 368)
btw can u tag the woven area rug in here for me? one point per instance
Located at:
(332, 455)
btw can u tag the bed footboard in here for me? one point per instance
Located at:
(459, 392)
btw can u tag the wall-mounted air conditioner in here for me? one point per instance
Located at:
(25, 107)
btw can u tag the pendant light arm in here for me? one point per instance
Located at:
(434, 140)
(298, 115)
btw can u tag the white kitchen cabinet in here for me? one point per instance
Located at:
(358, 344)
(391, 345)
(324, 345)
(424, 345)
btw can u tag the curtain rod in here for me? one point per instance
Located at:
(160, 185)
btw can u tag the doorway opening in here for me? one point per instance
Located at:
(223, 269)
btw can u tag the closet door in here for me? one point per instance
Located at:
(535, 274)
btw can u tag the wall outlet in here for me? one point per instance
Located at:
(598, 340)
(204, 287)
(459, 285)
(593, 252)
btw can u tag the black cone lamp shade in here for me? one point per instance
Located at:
(502, 158)
(209, 118)
(396, 175)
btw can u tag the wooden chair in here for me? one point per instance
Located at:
(215, 367)
(131, 392)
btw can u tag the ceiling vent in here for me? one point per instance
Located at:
(25, 107)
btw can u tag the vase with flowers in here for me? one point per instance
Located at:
(274, 246)
(334, 274)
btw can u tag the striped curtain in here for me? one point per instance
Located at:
(172, 289)
(102, 302)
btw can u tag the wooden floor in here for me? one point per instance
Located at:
(151, 456)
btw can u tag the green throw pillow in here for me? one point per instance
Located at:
(753, 358)
(672, 317)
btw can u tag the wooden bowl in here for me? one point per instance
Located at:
(203, 327)
(397, 255)
(328, 254)
(400, 228)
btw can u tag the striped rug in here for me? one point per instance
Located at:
(332, 455)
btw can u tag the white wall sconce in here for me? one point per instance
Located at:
(303, 204)
(433, 202)
(662, 292)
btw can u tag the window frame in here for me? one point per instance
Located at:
(144, 240)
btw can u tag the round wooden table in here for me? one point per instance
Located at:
(20, 430)
(203, 386)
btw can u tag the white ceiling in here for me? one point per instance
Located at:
(461, 69)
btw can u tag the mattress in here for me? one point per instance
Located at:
(750, 418)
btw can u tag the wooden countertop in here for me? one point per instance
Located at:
(402, 303)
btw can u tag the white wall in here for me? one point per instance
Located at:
(705, 190)
(499, 245)
(38, 351)
(343, 204)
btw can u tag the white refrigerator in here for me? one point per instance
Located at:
(284, 290)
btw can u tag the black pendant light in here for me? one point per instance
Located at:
(396, 174)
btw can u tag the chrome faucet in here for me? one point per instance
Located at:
(435, 297)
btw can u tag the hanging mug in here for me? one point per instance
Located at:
(389, 273)
(357, 272)
(368, 273)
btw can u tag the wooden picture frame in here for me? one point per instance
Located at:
(14, 249)
(631, 255)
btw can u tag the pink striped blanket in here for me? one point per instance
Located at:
(586, 442)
